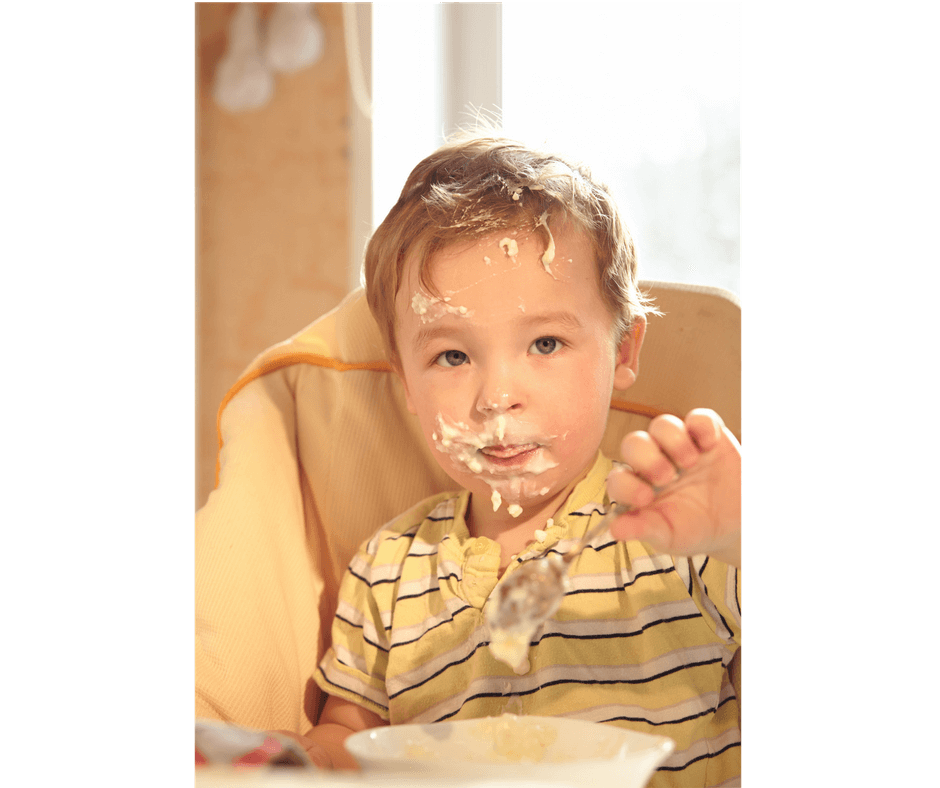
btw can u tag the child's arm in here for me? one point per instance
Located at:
(339, 720)
(700, 511)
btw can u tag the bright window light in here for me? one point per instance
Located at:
(646, 94)
(407, 95)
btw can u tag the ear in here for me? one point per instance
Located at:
(628, 355)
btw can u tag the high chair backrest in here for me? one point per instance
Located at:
(317, 450)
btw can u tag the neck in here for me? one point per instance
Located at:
(483, 521)
(513, 534)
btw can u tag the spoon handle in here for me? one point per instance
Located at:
(603, 525)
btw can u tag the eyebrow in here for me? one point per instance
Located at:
(427, 334)
(565, 319)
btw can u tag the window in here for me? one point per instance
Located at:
(407, 95)
(645, 93)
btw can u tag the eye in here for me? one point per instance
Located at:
(545, 346)
(451, 358)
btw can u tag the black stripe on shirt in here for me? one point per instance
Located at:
(349, 623)
(351, 692)
(432, 590)
(612, 635)
(439, 672)
(582, 682)
(699, 758)
(668, 672)
(705, 589)
(448, 620)
(706, 712)
(622, 586)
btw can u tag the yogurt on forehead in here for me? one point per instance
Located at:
(549, 255)
(429, 308)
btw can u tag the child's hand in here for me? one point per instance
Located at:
(317, 753)
(699, 511)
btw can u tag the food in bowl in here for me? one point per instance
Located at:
(545, 749)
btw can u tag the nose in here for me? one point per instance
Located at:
(500, 392)
(494, 402)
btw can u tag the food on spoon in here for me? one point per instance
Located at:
(519, 605)
(526, 598)
(511, 647)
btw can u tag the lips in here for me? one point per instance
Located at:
(509, 455)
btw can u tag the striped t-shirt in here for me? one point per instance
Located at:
(641, 639)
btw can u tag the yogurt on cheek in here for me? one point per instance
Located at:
(460, 443)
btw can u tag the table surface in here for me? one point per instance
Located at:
(286, 777)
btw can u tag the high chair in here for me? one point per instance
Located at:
(317, 450)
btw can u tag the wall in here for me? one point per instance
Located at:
(272, 226)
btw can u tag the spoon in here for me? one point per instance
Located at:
(530, 595)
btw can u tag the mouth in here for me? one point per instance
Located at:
(510, 456)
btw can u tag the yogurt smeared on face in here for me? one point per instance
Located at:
(497, 500)
(500, 453)
(501, 426)
(430, 308)
(510, 247)
(549, 255)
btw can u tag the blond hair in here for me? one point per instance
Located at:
(477, 184)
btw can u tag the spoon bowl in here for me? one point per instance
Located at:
(529, 596)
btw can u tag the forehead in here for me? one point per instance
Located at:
(501, 279)
(564, 254)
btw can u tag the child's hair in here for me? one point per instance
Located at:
(477, 184)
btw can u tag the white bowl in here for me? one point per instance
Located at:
(538, 749)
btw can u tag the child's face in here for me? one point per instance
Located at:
(511, 375)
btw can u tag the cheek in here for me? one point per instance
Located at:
(431, 408)
(592, 384)
(584, 406)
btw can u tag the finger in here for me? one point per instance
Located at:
(705, 426)
(644, 455)
(643, 526)
(317, 754)
(673, 437)
(626, 488)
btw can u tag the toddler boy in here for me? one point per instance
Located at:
(505, 286)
